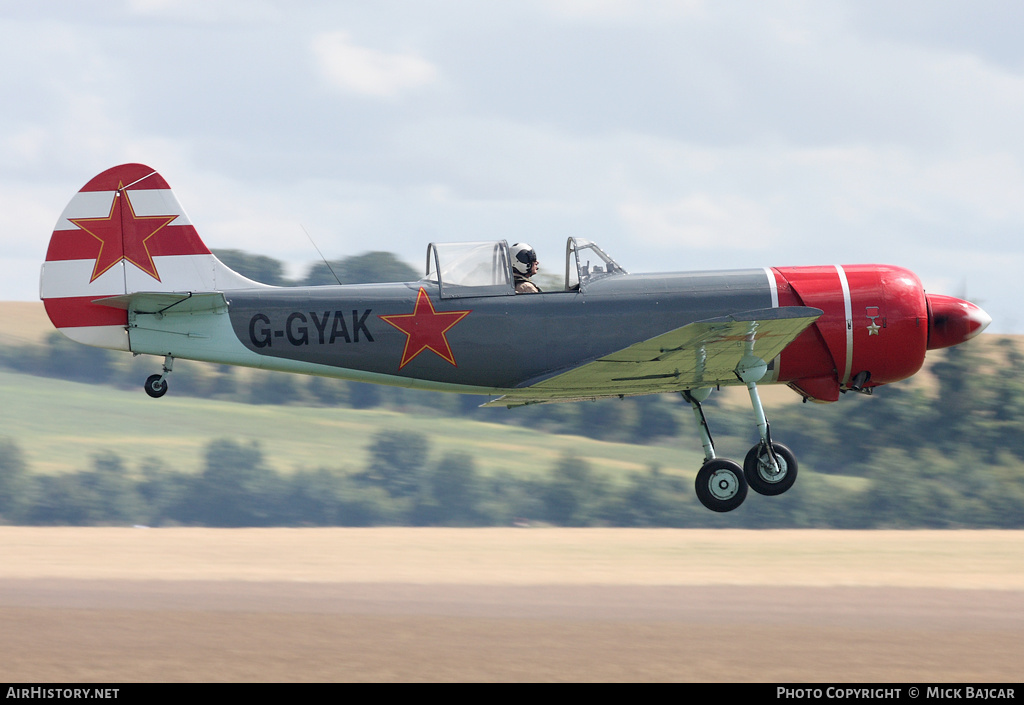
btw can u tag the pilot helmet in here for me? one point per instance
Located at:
(523, 255)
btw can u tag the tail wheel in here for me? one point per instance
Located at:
(721, 486)
(757, 467)
(156, 386)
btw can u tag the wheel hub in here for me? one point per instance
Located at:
(768, 474)
(723, 485)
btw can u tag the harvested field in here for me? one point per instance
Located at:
(112, 604)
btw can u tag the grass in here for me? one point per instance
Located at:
(59, 425)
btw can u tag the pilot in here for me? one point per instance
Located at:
(524, 266)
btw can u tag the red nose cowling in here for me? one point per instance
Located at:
(876, 324)
(951, 321)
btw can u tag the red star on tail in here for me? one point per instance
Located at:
(124, 235)
(425, 329)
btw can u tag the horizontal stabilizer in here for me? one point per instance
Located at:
(167, 302)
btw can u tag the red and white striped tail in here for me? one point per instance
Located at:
(124, 232)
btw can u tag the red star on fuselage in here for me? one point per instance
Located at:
(124, 235)
(425, 329)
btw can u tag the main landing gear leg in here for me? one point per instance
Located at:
(695, 397)
(720, 484)
(156, 385)
(770, 468)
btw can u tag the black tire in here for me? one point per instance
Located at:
(757, 470)
(721, 486)
(155, 387)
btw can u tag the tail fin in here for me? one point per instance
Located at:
(124, 232)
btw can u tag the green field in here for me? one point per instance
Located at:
(59, 425)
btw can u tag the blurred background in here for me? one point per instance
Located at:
(678, 135)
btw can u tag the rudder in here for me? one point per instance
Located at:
(123, 232)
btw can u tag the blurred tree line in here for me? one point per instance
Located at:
(403, 484)
(946, 455)
(929, 480)
(367, 268)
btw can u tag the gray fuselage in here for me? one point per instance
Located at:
(503, 342)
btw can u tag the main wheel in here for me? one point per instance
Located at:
(721, 486)
(757, 467)
(155, 387)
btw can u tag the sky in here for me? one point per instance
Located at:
(677, 135)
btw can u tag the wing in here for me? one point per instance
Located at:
(701, 354)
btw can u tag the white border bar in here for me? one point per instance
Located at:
(848, 305)
(773, 371)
